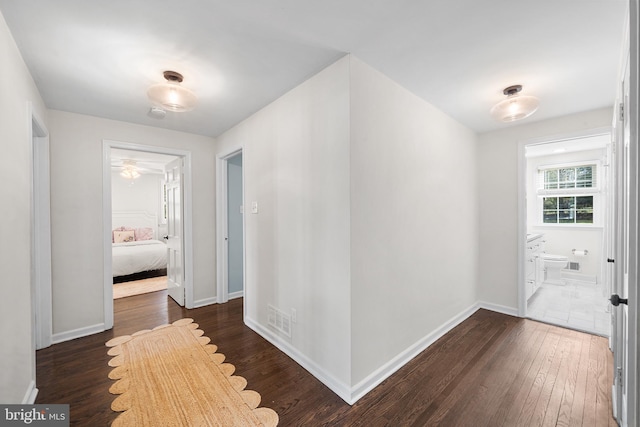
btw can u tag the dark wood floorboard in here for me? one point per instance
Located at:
(491, 370)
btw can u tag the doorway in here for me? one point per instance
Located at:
(235, 241)
(139, 203)
(231, 229)
(41, 300)
(182, 265)
(567, 186)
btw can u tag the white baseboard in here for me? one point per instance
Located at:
(235, 295)
(389, 368)
(352, 394)
(510, 311)
(77, 333)
(338, 387)
(205, 301)
(30, 395)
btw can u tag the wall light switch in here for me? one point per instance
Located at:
(254, 207)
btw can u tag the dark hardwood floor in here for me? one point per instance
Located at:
(491, 370)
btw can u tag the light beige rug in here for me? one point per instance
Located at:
(172, 376)
(137, 287)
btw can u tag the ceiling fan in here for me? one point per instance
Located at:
(132, 169)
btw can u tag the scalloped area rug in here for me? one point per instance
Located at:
(172, 376)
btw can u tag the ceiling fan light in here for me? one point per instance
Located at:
(129, 170)
(130, 173)
(515, 107)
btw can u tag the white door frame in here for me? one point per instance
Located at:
(633, 352)
(522, 201)
(187, 200)
(222, 247)
(41, 231)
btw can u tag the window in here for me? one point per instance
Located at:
(567, 210)
(568, 194)
(578, 177)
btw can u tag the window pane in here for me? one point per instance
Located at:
(550, 203)
(550, 217)
(584, 202)
(551, 179)
(566, 216)
(566, 202)
(567, 175)
(584, 176)
(584, 216)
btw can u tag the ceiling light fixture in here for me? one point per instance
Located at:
(129, 170)
(171, 95)
(515, 107)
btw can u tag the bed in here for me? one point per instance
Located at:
(137, 251)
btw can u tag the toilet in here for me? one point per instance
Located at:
(553, 265)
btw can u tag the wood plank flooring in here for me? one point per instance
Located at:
(491, 370)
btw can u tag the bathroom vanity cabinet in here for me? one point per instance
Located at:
(533, 273)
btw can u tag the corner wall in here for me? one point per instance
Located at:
(351, 173)
(296, 168)
(413, 220)
(17, 351)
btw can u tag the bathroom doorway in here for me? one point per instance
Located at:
(230, 225)
(567, 189)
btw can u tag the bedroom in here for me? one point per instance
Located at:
(139, 221)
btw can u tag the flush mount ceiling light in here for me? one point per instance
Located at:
(129, 170)
(515, 107)
(171, 95)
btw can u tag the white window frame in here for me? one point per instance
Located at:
(595, 191)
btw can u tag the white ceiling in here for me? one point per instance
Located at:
(99, 58)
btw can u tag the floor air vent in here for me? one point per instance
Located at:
(280, 320)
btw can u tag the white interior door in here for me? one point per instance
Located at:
(175, 256)
(623, 377)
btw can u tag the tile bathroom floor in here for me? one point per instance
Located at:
(576, 305)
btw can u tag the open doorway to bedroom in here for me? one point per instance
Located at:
(176, 236)
(139, 213)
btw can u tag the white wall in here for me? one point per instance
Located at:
(77, 216)
(413, 219)
(498, 181)
(296, 166)
(143, 194)
(367, 222)
(17, 351)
